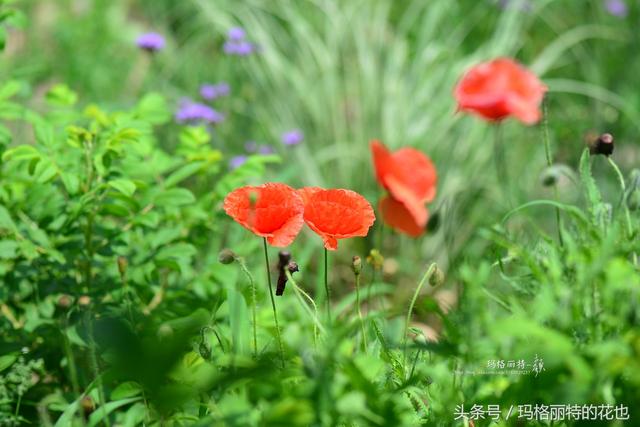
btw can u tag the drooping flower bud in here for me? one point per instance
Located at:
(602, 145)
(356, 265)
(437, 277)
(226, 256)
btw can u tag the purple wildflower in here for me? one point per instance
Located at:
(292, 137)
(236, 34)
(251, 146)
(210, 92)
(237, 161)
(525, 5)
(616, 8)
(151, 42)
(240, 48)
(266, 149)
(190, 111)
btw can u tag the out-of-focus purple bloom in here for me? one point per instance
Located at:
(210, 92)
(151, 42)
(525, 5)
(616, 8)
(251, 146)
(266, 149)
(292, 137)
(240, 48)
(237, 161)
(236, 34)
(190, 111)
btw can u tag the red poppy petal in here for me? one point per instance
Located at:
(500, 88)
(412, 204)
(398, 217)
(419, 173)
(338, 214)
(271, 210)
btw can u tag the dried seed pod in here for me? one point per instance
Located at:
(602, 145)
(226, 256)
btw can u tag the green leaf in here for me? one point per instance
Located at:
(60, 95)
(125, 390)
(9, 89)
(5, 220)
(175, 197)
(45, 171)
(8, 249)
(592, 194)
(153, 108)
(7, 360)
(21, 152)
(124, 186)
(183, 173)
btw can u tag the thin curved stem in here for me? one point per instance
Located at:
(301, 294)
(273, 302)
(623, 187)
(252, 283)
(364, 331)
(424, 279)
(547, 151)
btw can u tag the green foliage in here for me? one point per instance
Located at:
(115, 309)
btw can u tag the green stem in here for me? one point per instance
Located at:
(326, 283)
(424, 279)
(364, 332)
(247, 273)
(547, 150)
(300, 293)
(73, 372)
(273, 302)
(623, 187)
(93, 358)
(499, 161)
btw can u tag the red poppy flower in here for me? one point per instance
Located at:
(501, 88)
(397, 216)
(271, 210)
(410, 177)
(336, 214)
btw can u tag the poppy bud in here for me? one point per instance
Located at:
(64, 301)
(293, 267)
(226, 256)
(603, 145)
(84, 301)
(88, 405)
(437, 277)
(356, 265)
(122, 266)
(376, 259)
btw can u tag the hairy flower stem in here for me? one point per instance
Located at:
(273, 302)
(623, 187)
(300, 293)
(326, 284)
(245, 270)
(499, 161)
(364, 331)
(407, 322)
(547, 151)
